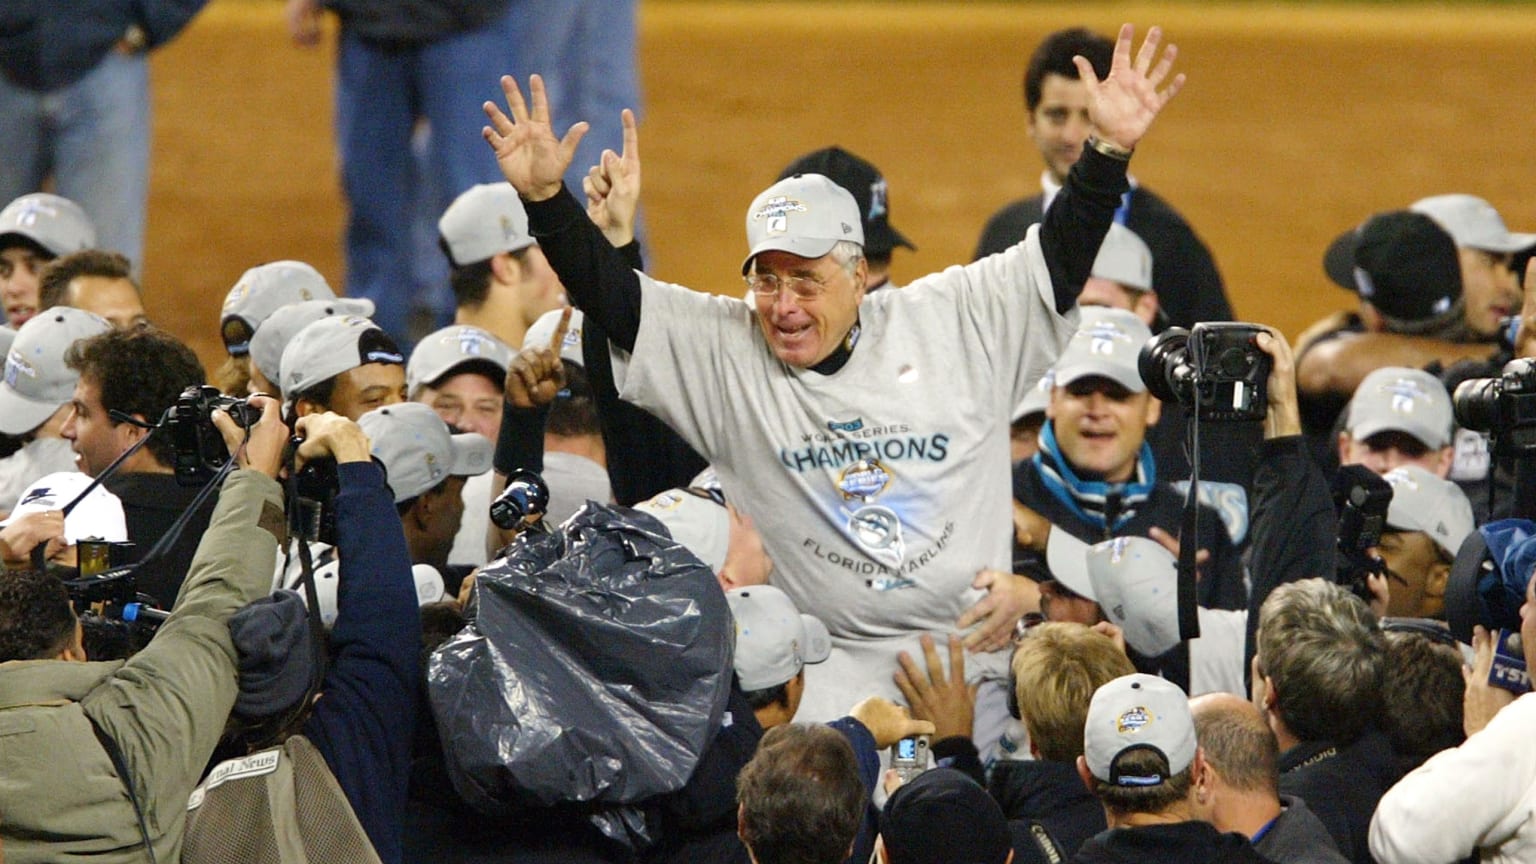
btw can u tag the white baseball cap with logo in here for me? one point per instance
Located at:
(417, 450)
(55, 223)
(279, 328)
(1106, 345)
(1136, 583)
(1124, 258)
(484, 220)
(1473, 223)
(774, 640)
(804, 215)
(1138, 712)
(1424, 502)
(445, 350)
(331, 346)
(543, 330)
(98, 515)
(261, 291)
(1400, 399)
(37, 382)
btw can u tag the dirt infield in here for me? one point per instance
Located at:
(1297, 122)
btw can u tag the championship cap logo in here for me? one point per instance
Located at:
(776, 211)
(1133, 720)
(1405, 392)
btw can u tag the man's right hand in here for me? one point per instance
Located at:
(265, 441)
(537, 374)
(27, 531)
(1283, 417)
(887, 721)
(531, 158)
(330, 434)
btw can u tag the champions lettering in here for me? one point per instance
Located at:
(934, 448)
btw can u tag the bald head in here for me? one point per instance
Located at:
(1237, 741)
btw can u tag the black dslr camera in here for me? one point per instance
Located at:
(522, 505)
(312, 507)
(1504, 407)
(200, 449)
(1362, 499)
(1216, 369)
(115, 618)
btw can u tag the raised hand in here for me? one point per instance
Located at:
(537, 375)
(531, 158)
(1123, 104)
(613, 187)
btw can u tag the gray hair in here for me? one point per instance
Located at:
(1324, 652)
(848, 254)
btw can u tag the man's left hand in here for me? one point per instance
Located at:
(1481, 700)
(947, 701)
(1123, 105)
(1009, 597)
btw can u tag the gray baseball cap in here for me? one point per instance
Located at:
(1124, 258)
(1136, 583)
(1473, 223)
(1423, 502)
(279, 328)
(262, 290)
(774, 640)
(486, 219)
(57, 224)
(36, 380)
(1105, 345)
(804, 215)
(418, 451)
(451, 347)
(1400, 399)
(1141, 712)
(331, 346)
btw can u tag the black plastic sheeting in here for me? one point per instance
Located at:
(594, 670)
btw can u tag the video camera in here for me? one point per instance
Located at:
(1216, 369)
(522, 505)
(200, 450)
(1504, 407)
(116, 618)
(1362, 499)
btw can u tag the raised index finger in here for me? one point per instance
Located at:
(631, 136)
(558, 338)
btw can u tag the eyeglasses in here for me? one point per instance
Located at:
(768, 285)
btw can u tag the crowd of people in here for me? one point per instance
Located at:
(1279, 614)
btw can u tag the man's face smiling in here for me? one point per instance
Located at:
(803, 332)
(1100, 426)
(1059, 125)
(20, 265)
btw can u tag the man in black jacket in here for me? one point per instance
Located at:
(1141, 760)
(1184, 275)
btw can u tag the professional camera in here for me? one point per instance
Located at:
(200, 449)
(522, 505)
(1504, 407)
(312, 512)
(115, 618)
(1216, 369)
(1362, 499)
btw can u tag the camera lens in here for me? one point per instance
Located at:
(1164, 365)
(1476, 404)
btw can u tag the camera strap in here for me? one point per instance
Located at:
(39, 552)
(1189, 532)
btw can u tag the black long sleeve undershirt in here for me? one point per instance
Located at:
(602, 285)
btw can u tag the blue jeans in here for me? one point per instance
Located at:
(92, 137)
(381, 94)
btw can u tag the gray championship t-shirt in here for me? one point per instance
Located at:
(880, 490)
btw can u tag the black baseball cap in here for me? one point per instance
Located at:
(1403, 262)
(865, 183)
(942, 816)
